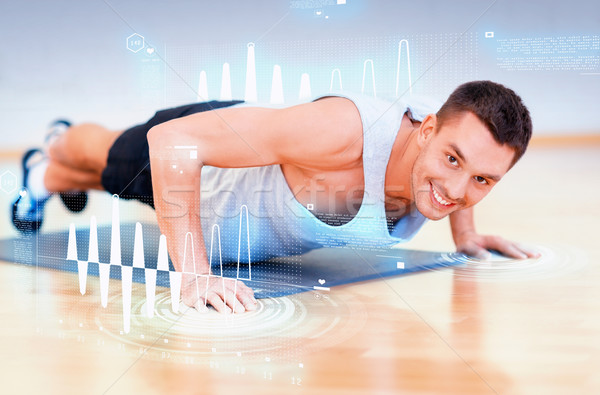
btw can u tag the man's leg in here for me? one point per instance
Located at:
(78, 157)
(89, 156)
(61, 178)
(71, 165)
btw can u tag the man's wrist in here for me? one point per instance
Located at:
(458, 234)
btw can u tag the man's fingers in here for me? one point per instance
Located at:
(472, 249)
(249, 302)
(215, 300)
(200, 306)
(191, 299)
(244, 294)
(512, 251)
(234, 300)
(237, 306)
(478, 248)
(225, 295)
(528, 251)
(505, 247)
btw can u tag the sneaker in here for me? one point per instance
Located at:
(56, 129)
(74, 201)
(27, 212)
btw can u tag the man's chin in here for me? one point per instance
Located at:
(435, 217)
(433, 213)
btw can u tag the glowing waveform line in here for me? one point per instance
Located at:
(212, 236)
(251, 95)
(104, 268)
(226, 83)
(202, 87)
(240, 242)
(339, 73)
(408, 66)
(237, 276)
(277, 88)
(149, 274)
(139, 262)
(115, 260)
(305, 92)
(372, 76)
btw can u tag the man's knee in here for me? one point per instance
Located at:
(84, 146)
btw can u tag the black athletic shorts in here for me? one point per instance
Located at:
(127, 171)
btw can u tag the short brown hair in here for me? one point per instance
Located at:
(498, 107)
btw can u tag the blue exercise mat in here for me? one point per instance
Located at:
(317, 269)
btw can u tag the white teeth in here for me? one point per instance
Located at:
(439, 198)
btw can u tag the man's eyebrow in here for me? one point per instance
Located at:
(458, 152)
(491, 177)
(462, 157)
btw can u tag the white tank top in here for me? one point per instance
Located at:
(276, 224)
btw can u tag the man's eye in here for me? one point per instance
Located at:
(480, 180)
(452, 160)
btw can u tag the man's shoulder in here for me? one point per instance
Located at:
(332, 127)
(375, 108)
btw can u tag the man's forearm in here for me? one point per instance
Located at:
(461, 222)
(176, 187)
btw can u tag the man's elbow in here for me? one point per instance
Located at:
(158, 137)
(163, 143)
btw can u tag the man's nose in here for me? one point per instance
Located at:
(456, 188)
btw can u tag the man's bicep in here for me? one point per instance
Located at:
(224, 138)
(319, 133)
(251, 136)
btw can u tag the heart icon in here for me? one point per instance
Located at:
(150, 51)
(321, 281)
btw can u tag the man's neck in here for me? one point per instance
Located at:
(402, 158)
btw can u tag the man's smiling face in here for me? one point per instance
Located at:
(457, 165)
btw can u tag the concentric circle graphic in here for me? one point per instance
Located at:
(280, 328)
(555, 261)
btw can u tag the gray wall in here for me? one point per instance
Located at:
(69, 58)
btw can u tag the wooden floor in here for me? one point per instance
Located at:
(529, 327)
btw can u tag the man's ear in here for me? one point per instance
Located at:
(426, 130)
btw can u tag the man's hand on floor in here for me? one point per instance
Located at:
(476, 245)
(221, 293)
